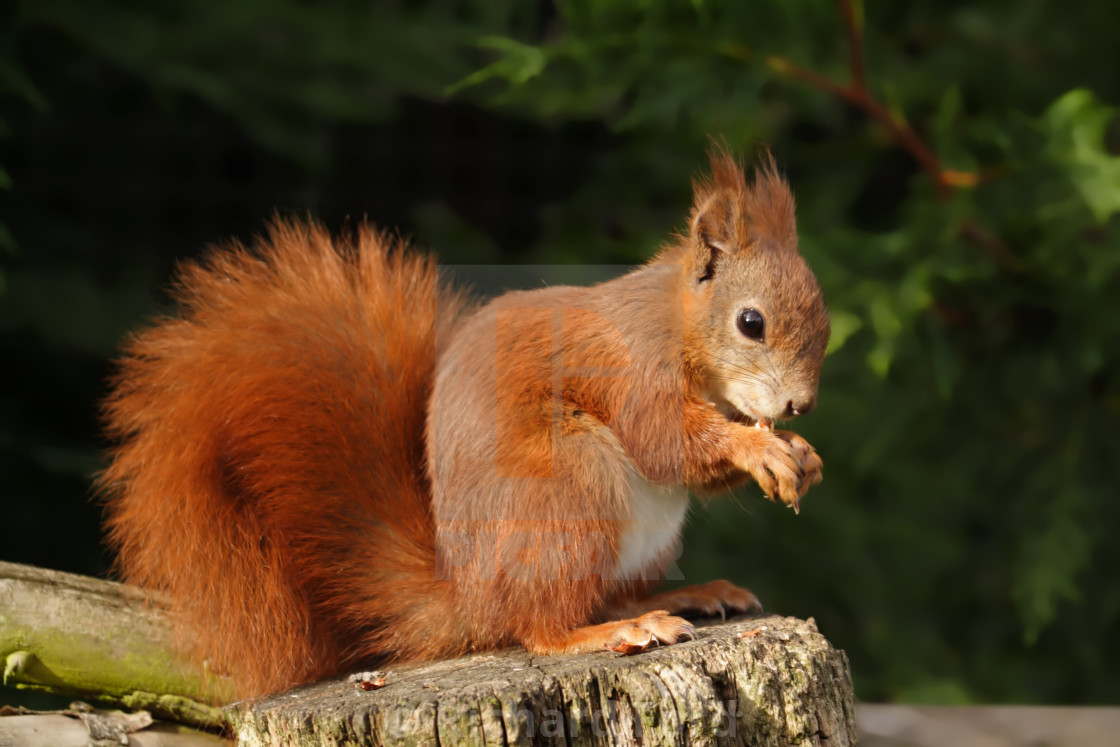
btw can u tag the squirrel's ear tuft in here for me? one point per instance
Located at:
(727, 172)
(769, 205)
(730, 216)
(716, 222)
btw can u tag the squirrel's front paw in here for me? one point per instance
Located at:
(808, 461)
(782, 463)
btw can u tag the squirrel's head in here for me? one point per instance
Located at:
(757, 323)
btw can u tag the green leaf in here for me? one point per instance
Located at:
(884, 317)
(1048, 565)
(948, 109)
(844, 325)
(880, 357)
(518, 64)
(1077, 123)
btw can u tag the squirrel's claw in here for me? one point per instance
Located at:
(783, 464)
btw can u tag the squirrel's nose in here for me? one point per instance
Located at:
(801, 407)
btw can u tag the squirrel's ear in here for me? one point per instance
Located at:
(715, 201)
(714, 228)
(713, 223)
(712, 234)
(716, 225)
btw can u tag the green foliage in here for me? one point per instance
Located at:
(960, 545)
(1075, 127)
(969, 409)
(277, 66)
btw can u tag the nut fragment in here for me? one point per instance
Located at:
(752, 633)
(368, 680)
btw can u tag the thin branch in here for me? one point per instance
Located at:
(993, 245)
(858, 94)
(855, 44)
(943, 179)
(902, 133)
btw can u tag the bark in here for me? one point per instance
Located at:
(99, 641)
(783, 685)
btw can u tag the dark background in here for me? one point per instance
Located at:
(960, 547)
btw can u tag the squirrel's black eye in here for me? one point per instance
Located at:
(751, 323)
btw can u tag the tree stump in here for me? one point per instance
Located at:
(760, 681)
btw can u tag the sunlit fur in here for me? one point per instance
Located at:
(745, 233)
(269, 469)
(326, 458)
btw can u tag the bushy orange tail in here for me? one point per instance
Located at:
(268, 473)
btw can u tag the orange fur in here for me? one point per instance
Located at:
(268, 476)
(327, 459)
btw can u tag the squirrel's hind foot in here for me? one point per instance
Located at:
(630, 636)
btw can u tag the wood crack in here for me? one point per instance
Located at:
(720, 688)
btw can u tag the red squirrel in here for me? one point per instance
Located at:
(330, 457)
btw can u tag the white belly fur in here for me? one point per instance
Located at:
(656, 516)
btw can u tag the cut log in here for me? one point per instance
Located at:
(759, 681)
(99, 641)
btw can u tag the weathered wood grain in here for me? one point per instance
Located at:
(785, 685)
(781, 684)
(96, 640)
